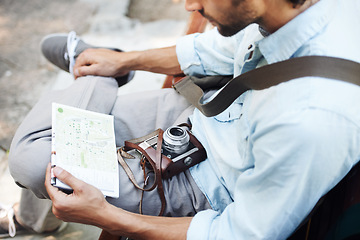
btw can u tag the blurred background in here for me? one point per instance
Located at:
(25, 74)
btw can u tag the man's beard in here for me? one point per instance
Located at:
(226, 31)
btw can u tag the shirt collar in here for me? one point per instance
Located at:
(297, 32)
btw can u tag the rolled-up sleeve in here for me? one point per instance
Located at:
(187, 56)
(200, 225)
(208, 53)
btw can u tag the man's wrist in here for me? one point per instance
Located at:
(109, 219)
(127, 61)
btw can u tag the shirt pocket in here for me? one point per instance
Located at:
(232, 113)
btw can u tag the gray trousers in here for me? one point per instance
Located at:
(135, 115)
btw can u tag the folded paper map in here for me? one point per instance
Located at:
(83, 143)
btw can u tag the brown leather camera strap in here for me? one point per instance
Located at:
(130, 174)
(158, 162)
(154, 158)
(267, 76)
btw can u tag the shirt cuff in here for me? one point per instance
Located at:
(188, 58)
(201, 224)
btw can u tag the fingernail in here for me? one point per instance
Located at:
(76, 72)
(57, 171)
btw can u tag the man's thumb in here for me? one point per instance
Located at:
(66, 177)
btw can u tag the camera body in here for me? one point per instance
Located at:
(180, 150)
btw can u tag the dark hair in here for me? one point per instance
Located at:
(294, 2)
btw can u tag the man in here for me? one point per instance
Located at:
(271, 155)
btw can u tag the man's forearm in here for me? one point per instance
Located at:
(119, 222)
(161, 60)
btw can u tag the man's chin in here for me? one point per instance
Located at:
(227, 32)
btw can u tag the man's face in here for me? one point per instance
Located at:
(229, 16)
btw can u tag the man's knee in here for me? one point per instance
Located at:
(28, 159)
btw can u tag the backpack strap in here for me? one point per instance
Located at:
(267, 76)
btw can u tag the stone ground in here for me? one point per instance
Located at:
(25, 74)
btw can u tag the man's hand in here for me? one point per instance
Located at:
(84, 205)
(87, 205)
(100, 62)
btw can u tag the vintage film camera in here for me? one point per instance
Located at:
(180, 149)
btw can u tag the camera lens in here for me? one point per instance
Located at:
(176, 131)
(176, 139)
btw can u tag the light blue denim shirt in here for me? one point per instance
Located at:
(273, 153)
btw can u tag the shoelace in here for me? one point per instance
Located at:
(72, 42)
(9, 212)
